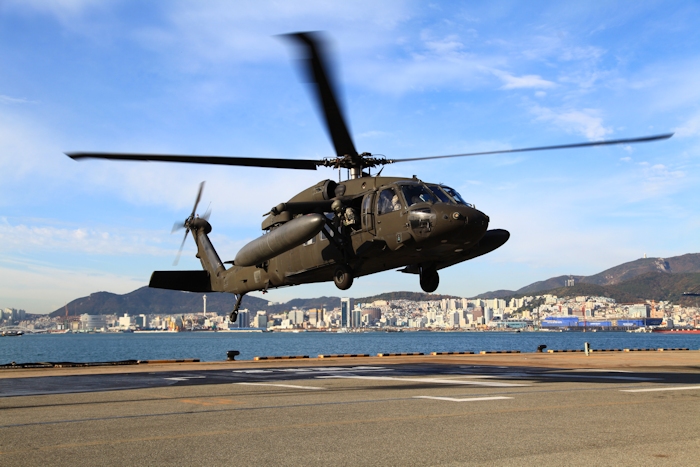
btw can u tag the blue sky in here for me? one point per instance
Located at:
(418, 79)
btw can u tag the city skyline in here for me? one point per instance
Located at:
(418, 80)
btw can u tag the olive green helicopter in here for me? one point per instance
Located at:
(339, 230)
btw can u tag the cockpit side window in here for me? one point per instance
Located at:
(441, 195)
(388, 201)
(417, 193)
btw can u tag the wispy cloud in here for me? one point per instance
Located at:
(690, 127)
(586, 122)
(14, 100)
(522, 82)
(33, 239)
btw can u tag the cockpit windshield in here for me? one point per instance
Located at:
(453, 193)
(441, 195)
(415, 193)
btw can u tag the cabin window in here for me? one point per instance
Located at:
(416, 193)
(367, 211)
(388, 201)
(323, 233)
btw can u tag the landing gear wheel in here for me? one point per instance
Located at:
(234, 314)
(343, 277)
(429, 279)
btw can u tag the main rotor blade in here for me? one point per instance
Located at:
(302, 164)
(315, 63)
(642, 139)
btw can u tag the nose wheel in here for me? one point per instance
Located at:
(343, 277)
(429, 279)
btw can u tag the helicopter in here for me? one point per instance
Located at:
(338, 231)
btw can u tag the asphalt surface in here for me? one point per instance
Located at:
(419, 411)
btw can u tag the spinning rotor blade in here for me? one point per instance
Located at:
(302, 164)
(199, 198)
(642, 139)
(186, 224)
(207, 213)
(179, 252)
(315, 64)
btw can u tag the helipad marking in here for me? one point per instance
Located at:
(282, 385)
(574, 375)
(322, 369)
(468, 399)
(185, 378)
(683, 388)
(427, 380)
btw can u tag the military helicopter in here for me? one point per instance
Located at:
(339, 230)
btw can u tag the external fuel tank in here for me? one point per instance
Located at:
(280, 239)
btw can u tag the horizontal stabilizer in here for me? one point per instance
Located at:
(187, 281)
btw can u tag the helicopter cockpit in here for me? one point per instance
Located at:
(415, 193)
(448, 195)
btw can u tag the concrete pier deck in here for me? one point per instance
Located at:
(637, 408)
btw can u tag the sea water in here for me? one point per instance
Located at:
(212, 346)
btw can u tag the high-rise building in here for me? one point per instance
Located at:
(374, 314)
(260, 320)
(243, 320)
(639, 311)
(92, 322)
(315, 316)
(345, 312)
(296, 316)
(488, 314)
(356, 320)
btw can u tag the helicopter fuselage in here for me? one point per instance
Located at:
(376, 224)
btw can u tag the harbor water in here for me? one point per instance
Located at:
(212, 346)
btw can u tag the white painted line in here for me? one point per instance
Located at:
(252, 371)
(627, 378)
(683, 388)
(185, 378)
(468, 399)
(282, 385)
(428, 380)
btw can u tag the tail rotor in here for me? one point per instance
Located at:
(188, 222)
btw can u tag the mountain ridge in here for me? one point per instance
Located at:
(660, 278)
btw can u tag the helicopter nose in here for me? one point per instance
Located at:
(462, 221)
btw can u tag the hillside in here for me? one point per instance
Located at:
(157, 301)
(151, 301)
(646, 278)
(656, 286)
(688, 263)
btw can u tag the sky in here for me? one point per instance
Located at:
(417, 79)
